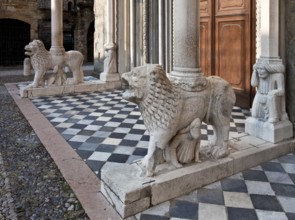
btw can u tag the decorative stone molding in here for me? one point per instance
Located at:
(110, 63)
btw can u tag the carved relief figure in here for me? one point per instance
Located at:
(269, 102)
(185, 146)
(110, 62)
(167, 110)
(42, 60)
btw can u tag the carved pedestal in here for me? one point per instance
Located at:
(110, 73)
(272, 132)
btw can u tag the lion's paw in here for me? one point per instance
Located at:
(31, 85)
(218, 152)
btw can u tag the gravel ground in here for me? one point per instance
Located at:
(31, 186)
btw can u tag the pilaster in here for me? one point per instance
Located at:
(110, 73)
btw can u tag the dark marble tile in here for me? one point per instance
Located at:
(79, 126)
(129, 143)
(234, 185)
(118, 158)
(117, 135)
(290, 158)
(75, 144)
(140, 151)
(67, 136)
(105, 148)
(273, 167)
(211, 196)
(153, 217)
(291, 216)
(86, 133)
(265, 202)
(183, 209)
(283, 189)
(255, 175)
(94, 140)
(84, 154)
(108, 129)
(241, 214)
(292, 176)
(95, 165)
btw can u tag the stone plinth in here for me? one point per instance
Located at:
(93, 85)
(272, 132)
(130, 192)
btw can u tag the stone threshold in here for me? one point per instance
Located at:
(130, 192)
(92, 85)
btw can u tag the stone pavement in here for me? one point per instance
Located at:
(7, 206)
(87, 129)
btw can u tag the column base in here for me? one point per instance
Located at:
(272, 132)
(189, 79)
(110, 77)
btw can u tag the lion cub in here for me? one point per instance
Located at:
(185, 145)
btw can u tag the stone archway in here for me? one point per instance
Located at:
(14, 35)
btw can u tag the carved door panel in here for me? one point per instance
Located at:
(226, 41)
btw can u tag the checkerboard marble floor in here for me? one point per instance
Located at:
(103, 128)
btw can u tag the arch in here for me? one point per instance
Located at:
(14, 35)
(90, 42)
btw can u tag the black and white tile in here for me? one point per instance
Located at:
(102, 128)
(265, 192)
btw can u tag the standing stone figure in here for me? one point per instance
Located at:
(269, 102)
(110, 62)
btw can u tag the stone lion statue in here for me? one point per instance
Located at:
(42, 60)
(168, 109)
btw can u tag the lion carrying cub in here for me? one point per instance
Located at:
(172, 115)
(42, 60)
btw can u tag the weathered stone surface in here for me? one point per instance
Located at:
(272, 132)
(43, 60)
(76, 23)
(130, 191)
(87, 86)
(170, 108)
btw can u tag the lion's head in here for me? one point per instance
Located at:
(33, 47)
(149, 87)
(137, 81)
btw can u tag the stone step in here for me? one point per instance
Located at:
(130, 192)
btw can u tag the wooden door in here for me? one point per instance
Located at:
(226, 43)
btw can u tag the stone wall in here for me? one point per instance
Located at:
(78, 15)
(290, 57)
(21, 10)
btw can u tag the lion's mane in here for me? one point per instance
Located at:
(160, 105)
(41, 57)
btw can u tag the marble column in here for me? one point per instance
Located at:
(186, 59)
(57, 27)
(110, 73)
(57, 50)
(161, 29)
(269, 120)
